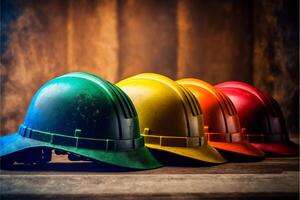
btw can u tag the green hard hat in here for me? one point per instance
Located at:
(82, 114)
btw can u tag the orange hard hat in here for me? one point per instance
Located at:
(222, 125)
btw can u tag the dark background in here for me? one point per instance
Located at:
(256, 41)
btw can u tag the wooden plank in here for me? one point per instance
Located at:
(272, 178)
(215, 40)
(60, 165)
(147, 37)
(51, 38)
(276, 54)
(93, 37)
(170, 184)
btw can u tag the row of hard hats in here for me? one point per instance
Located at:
(82, 114)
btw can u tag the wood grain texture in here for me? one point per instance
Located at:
(52, 38)
(273, 178)
(276, 54)
(252, 41)
(215, 40)
(148, 37)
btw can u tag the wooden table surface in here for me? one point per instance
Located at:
(272, 178)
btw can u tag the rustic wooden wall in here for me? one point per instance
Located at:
(211, 40)
(215, 40)
(51, 38)
(147, 37)
(276, 54)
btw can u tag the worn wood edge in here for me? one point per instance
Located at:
(253, 196)
(174, 184)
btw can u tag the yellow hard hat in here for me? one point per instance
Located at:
(170, 117)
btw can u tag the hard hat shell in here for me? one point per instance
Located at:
(170, 118)
(222, 125)
(83, 114)
(261, 117)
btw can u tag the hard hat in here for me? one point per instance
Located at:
(85, 115)
(262, 118)
(169, 116)
(222, 126)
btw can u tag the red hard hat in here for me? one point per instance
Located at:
(262, 117)
(222, 125)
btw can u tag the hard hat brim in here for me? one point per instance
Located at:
(140, 158)
(205, 153)
(280, 149)
(242, 148)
